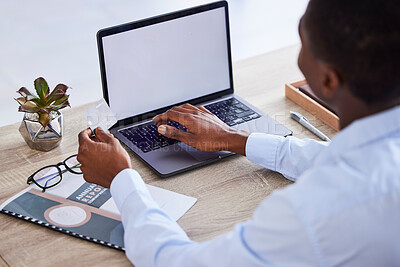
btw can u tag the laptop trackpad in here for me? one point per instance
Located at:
(197, 154)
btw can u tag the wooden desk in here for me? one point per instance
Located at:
(227, 191)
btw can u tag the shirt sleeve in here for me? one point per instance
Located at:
(289, 156)
(153, 239)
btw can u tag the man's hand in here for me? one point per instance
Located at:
(102, 157)
(205, 131)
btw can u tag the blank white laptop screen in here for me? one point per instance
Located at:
(166, 63)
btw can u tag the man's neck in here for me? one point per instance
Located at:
(351, 108)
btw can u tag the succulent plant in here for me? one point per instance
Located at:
(44, 102)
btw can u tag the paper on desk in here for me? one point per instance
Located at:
(173, 204)
(75, 188)
(100, 115)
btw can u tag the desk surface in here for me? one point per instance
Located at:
(228, 191)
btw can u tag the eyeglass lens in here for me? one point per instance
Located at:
(73, 165)
(47, 177)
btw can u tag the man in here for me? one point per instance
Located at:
(343, 208)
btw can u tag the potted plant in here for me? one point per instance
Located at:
(42, 126)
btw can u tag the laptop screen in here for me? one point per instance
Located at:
(166, 63)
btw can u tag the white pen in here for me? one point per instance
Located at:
(303, 121)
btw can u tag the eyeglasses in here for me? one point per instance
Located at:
(51, 175)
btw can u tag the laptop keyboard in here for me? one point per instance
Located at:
(232, 112)
(146, 137)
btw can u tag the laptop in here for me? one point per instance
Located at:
(151, 65)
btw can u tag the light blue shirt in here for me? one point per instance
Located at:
(344, 208)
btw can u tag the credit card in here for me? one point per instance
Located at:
(100, 115)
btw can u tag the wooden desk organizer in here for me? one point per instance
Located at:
(321, 112)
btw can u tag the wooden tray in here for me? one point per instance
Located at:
(321, 112)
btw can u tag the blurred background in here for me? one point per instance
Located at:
(57, 39)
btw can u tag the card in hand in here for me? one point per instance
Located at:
(100, 115)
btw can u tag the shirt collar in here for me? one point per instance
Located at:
(368, 129)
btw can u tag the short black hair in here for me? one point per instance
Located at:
(361, 39)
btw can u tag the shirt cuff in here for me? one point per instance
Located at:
(262, 148)
(125, 183)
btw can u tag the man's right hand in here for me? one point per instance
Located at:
(102, 157)
(205, 131)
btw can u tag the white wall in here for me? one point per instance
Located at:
(56, 39)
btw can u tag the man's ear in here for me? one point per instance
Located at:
(331, 82)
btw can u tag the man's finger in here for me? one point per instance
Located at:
(193, 109)
(204, 109)
(188, 106)
(156, 119)
(84, 136)
(184, 110)
(103, 136)
(173, 115)
(172, 132)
